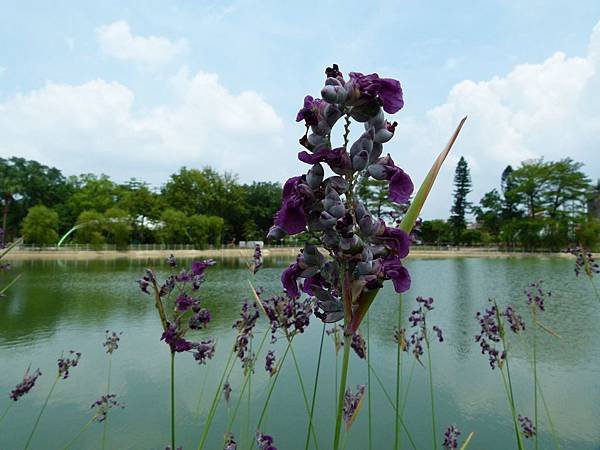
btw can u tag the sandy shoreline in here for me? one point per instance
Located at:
(291, 252)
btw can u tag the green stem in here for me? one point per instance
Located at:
(342, 389)
(391, 402)
(215, 401)
(407, 389)
(37, 421)
(535, 399)
(512, 410)
(202, 389)
(369, 381)
(305, 398)
(173, 400)
(550, 421)
(270, 392)
(72, 441)
(105, 425)
(429, 366)
(5, 411)
(246, 381)
(397, 442)
(314, 394)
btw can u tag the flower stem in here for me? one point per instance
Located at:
(535, 389)
(393, 406)
(215, 401)
(5, 411)
(433, 424)
(550, 421)
(512, 409)
(173, 400)
(299, 373)
(37, 421)
(369, 381)
(397, 442)
(271, 388)
(105, 425)
(72, 441)
(314, 394)
(342, 389)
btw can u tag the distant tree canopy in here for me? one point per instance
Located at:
(214, 208)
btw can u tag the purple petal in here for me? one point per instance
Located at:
(401, 187)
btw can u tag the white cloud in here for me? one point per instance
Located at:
(116, 40)
(548, 109)
(95, 127)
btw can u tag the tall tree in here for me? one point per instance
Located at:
(460, 207)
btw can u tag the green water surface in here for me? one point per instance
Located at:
(64, 305)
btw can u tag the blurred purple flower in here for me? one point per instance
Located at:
(264, 441)
(26, 385)
(66, 364)
(112, 341)
(359, 345)
(270, 363)
(103, 405)
(527, 426)
(451, 438)
(352, 403)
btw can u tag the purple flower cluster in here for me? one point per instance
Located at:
(227, 391)
(359, 345)
(257, 259)
(244, 325)
(536, 295)
(270, 363)
(584, 261)
(26, 385)
(230, 443)
(418, 320)
(183, 313)
(264, 441)
(288, 314)
(451, 438)
(352, 403)
(112, 341)
(362, 248)
(66, 364)
(527, 426)
(103, 405)
(492, 331)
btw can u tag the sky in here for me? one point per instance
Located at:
(142, 88)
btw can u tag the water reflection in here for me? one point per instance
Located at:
(68, 304)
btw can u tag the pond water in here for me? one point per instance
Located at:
(63, 305)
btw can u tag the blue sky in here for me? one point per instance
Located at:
(139, 89)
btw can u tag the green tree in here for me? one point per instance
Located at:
(144, 208)
(173, 227)
(436, 232)
(116, 224)
(207, 192)
(262, 200)
(91, 227)
(460, 207)
(40, 226)
(489, 213)
(375, 196)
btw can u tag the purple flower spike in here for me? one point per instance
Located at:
(26, 385)
(227, 391)
(289, 279)
(308, 112)
(401, 187)
(395, 271)
(264, 441)
(270, 363)
(112, 341)
(527, 426)
(103, 405)
(65, 364)
(198, 267)
(230, 443)
(451, 438)
(359, 345)
(387, 90)
(184, 302)
(352, 404)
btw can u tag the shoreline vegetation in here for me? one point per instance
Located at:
(292, 252)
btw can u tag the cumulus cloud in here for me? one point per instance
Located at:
(96, 127)
(548, 109)
(116, 40)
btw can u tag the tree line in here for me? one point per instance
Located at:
(539, 205)
(198, 207)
